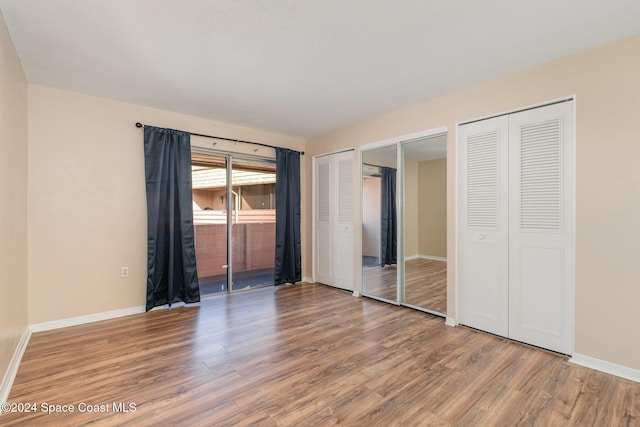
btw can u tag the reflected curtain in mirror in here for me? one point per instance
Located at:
(288, 260)
(171, 261)
(388, 218)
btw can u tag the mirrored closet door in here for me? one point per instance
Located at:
(424, 193)
(404, 222)
(380, 223)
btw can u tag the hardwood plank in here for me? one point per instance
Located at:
(307, 355)
(425, 283)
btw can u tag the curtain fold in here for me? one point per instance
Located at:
(388, 218)
(171, 257)
(288, 264)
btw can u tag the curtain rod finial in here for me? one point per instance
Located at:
(138, 125)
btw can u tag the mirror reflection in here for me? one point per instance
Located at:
(379, 223)
(425, 240)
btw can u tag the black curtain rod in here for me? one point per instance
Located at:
(140, 125)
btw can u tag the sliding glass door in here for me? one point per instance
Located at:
(253, 224)
(234, 221)
(209, 183)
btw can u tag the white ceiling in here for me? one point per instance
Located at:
(426, 149)
(299, 67)
(420, 150)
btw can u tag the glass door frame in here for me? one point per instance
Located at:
(230, 158)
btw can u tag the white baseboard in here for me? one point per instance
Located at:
(72, 321)
(433, 258)
(356, 293)
(14, 364)
(411, 257)
(308, 279)
(604, 366)
(450, 321)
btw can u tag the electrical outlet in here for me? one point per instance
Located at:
(124, 272)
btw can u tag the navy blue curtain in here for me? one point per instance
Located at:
(388, 218)
(172, 275)
(288, 264)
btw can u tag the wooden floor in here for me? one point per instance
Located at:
(380, 281)
(425, 283)
(307, 355)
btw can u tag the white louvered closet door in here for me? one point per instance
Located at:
(483, 252)
(343, 251)
(516, 250)
(334, 229)
(541, 227)
(323, 227)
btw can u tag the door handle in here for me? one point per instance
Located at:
(225, 266)
(482, 236)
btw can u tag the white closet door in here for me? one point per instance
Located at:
(483, 283)
(541, 227)
(344, 251)
(323, 226)
(334, 229)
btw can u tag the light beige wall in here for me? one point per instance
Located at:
(432, 207)
(605, 80)
(13, 200)
(79, 237)
(411, 215)
(371, 217)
